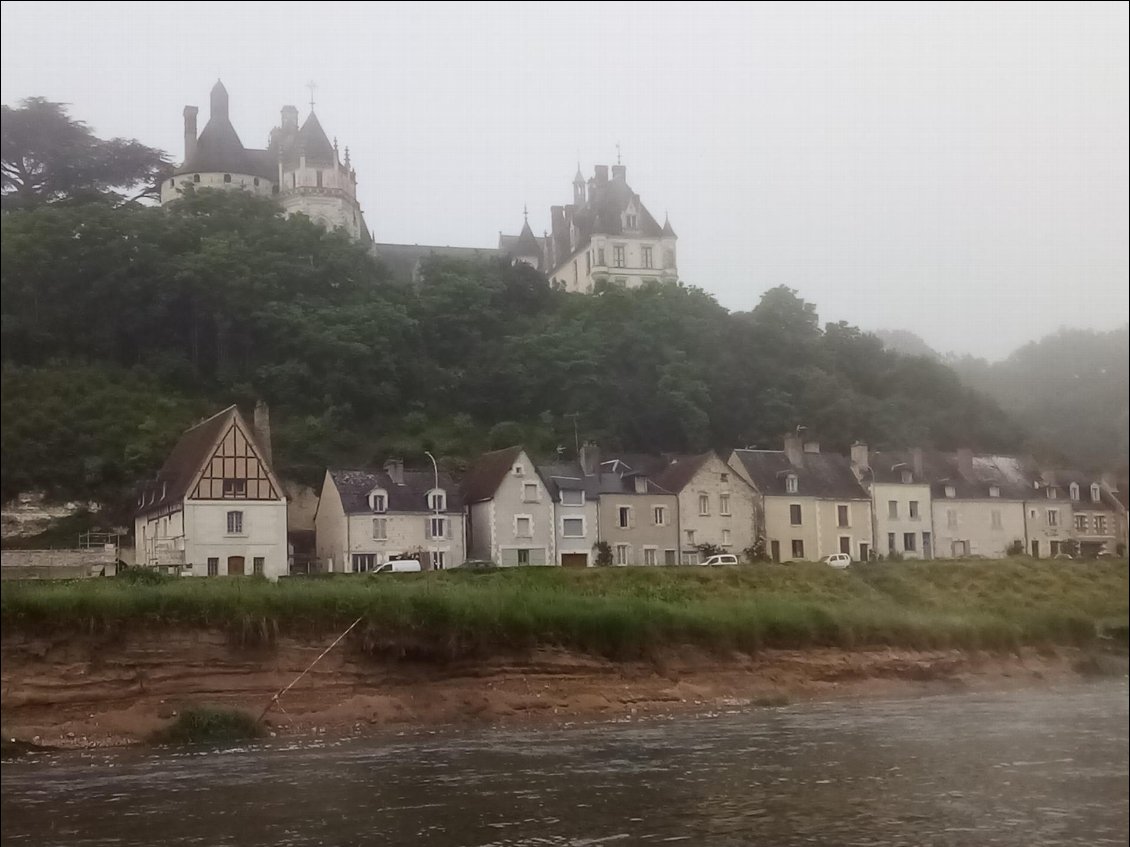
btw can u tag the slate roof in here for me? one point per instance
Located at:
(354, 486)
(312, 141)
(680, 470)
(1013, 476)
(487, 473)
(824, 475)
(888, 465)
(568, 476)
(403, 260)
(1062, 479)
(219, 150)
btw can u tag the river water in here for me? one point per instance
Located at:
(1034, 767)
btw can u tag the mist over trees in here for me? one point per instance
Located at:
(149, 317)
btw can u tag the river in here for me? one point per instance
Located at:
(1041, 766)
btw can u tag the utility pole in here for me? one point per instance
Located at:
(434, 498)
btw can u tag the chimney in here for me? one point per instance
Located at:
(395, 470)
(793, 449)
(620, 172)
(262, 426)
(590, 458)
(812, 447)
(860, 456)
(965, 462)
(289, 119)
(601, 174)
(190, 113)
(641, 484)
(919, 466)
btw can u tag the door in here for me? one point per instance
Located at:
(574, 560)
(927, 546)
(235, 565)
(864, 552)
(775, 547)
(845, 544)
(1035, 549)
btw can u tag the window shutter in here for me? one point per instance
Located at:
(631, 518)
(428, 528)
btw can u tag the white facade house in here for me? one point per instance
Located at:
(367, 518)
(215, 508)
(510, 512)
(575, 497)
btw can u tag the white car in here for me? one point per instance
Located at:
(722, 559)
(837, 560)
(400, 566)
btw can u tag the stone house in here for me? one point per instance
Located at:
(901, 503)
(575, 493)
(637, 517)
(509, 511)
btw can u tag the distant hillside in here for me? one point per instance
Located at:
(906, 342)
(1069, 389)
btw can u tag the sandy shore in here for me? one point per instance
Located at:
(92, 692)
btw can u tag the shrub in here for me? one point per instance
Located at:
(202, 725)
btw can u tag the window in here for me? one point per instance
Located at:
(1053, 517)
(724, 477)
(951, 491)
(600, 256)
(1053, 492)
(951, 518)
(724, 504)
(1096, 493)
(631, 221)
(437, 527)
(843, 516)
(439, 560)
(914, 510)
(318, 178)
(618, 256)
(845, 544)
(523, 557)
(907, 477)
(573, 527)
(690, 537)
(645, 252)
(363, 562)
(437, 501)
(227, 177)
(704, 504)
(891, 547)
(257, 565)
(572, 498)
(624, 517)
(1073, 492)
(908, 542)
(795, 514)
(791, 484)
(798, 548)
(213, 567)
(523, 526)
(996, 515)
(530, 492)
(994, 491)
(1100, 524)
(622, 554)
(669, 557)
(378, 501)
(649, 556)
(726, 539)
(380, 529)
(235, 487)
(519, 470)
(235, 523)
(196, 178)
(660, 513)
(1081, 523)
(892, 508)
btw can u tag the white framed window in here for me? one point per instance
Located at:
(726, 538)
(1096, 493)
(1053, 492)
(951, 491)
(994, 491)
(213, 567)
(631, 221)
(951, 518)
(573, 527)
(996, 515)
(257, 565)
(907, 477)
(704, 504)
(439, 560)
(1100, 524)
(1073, 492)
(690, 537)
(796, 516)
(908, 542)
(523, 557)
(798, 548)
(1053, 517)
(437, 527)
(724, 504)
(600, 256)
(523, 526)
(437, 501)
(572, 498)
(892, 508)
(913, 510)
(363, 562)
(791, 484)
(623, 553)
(624, 517)
(380, 529)
(378, 501)
(530, 492)
(645, 257)
(1081, 523)
(235, 523)
(650, 556)
(618, 256)
(843, 515)
(660, 515)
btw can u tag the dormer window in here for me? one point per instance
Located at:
(951, 491)
(1096, 493)
(1053, 492)
(378, 500)
(630, 221)
(1073, 491)
(437, 501)
(907, 477)
(791, 485)
(994, 491)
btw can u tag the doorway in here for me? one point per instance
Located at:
(1035, 549)
(235, 565)
(864, 552)
(775, 547)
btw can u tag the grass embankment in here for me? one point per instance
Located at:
(621, 612)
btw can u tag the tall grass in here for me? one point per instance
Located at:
(615, 612)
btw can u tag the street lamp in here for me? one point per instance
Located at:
(435, 499)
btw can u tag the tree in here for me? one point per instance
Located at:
(49, 156)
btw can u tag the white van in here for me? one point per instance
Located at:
(722, 559)
(400, 566)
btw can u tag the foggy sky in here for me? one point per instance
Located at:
(958, 171)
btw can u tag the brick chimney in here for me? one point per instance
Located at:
(261, 423)
(190, 113)
(794, 450)
(860, 456)
(919, 465)
(590, 458)
(395, 470)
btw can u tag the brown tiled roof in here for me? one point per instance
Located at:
(487, 474)
(188, 456)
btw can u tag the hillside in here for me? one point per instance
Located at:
(122, 326)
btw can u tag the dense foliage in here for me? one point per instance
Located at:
(121, 326)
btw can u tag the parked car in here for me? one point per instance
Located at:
(400, 566)
(722, 559)
(837, 560)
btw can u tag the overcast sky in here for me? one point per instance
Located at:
(958, 171)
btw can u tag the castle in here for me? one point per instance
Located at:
(605, 235)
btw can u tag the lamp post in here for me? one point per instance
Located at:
(435, 499)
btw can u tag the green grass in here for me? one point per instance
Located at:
(202, 725)
(616, 612)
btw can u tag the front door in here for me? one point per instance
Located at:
(845, 544)
(235, 565)
(775, 547)
(864, 552)
(1035, 549)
